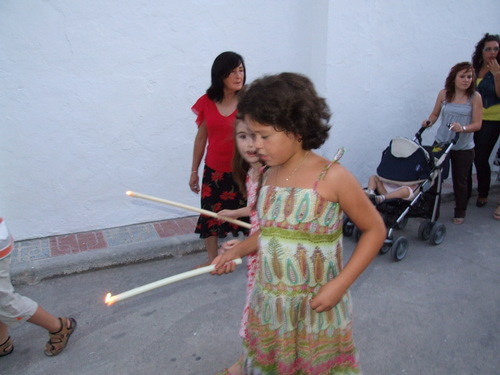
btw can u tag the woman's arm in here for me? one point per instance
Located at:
(200, 142)
(494, 68)
(477, 114)
(341, 186)
(435, 111)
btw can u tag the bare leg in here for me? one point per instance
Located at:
(496, 213)
(212, 246)
(378, 186)
(236, 369)
(402, 193)
(45, 320)
(372, 183)
(4, 332)
(6, 345)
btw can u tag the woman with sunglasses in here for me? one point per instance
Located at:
(486, 63)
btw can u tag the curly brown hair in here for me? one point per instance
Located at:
(477, 56)
(288, 102)
(449, 85)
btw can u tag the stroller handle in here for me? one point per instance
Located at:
(418, 135)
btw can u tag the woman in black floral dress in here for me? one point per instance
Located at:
(216, 114)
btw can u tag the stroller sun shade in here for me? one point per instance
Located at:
(404, 160)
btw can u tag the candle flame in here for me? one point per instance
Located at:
(108, 300)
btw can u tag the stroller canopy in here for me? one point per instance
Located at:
(404, 161)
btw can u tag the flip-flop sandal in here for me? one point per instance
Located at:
(458, 220)
(7, 347)
(58, 340)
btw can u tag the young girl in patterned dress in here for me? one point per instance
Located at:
(299, 319)
(247, 169)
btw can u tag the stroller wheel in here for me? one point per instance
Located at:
(438, 233)
(424, 230)
(386, 246)
(348, 227)
(399, 249)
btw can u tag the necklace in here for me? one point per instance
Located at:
(297, 167)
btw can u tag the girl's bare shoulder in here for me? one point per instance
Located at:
(337, 182)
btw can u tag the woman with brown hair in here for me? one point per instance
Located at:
(460, 108)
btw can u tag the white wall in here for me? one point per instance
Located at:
(387, 62)
(96, 95)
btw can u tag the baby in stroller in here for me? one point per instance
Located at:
(380, 190)
(408, 184)
(404, 165)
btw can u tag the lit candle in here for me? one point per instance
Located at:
(110, 299)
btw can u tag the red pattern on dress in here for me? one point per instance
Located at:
(252, 259)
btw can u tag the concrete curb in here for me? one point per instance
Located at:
(35, 271)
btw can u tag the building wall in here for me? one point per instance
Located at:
(96, 95)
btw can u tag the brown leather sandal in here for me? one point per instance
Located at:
(58, 340)
(7, 347)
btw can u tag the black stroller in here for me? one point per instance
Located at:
(406, 162)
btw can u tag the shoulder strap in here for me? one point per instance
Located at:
(336, 158)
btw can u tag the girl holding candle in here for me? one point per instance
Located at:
(216, 113)
(247, 170)
(299, 319)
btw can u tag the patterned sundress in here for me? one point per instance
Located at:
(252, 261)
(300, 250)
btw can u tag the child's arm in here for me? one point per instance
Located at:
(223, 262)
(240, 212)
(341, 186)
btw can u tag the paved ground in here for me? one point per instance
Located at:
(434, 313)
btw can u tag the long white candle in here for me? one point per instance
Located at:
(110, 299)
(190, 208)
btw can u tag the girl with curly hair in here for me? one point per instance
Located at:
(299, 318)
